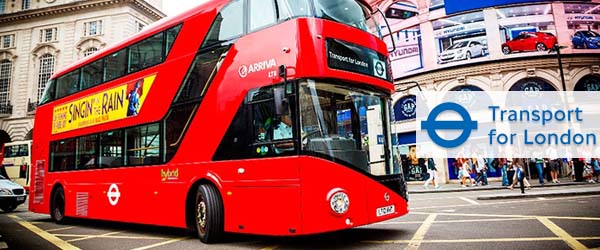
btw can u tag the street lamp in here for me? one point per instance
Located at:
(416, 84)
(557, 49)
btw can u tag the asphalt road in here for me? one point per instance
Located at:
(436, 221)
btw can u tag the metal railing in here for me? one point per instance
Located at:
(31, 106)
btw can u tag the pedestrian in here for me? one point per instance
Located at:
(432, 171)
(502, 163)
(465, 173)
(596, 168)
(520, 176)
(539, 165)
(588, 173)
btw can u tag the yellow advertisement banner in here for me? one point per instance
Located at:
(110, 105)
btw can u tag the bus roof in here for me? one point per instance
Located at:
(153, 28)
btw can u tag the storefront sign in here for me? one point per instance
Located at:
(110, 105)
(582, 17)
(459, 29)
(405, 108)
(350, 57)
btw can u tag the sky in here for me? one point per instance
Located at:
(172, 8)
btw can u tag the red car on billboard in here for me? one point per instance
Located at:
(529, 41)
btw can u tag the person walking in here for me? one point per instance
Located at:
(432, 171)
(519, 176)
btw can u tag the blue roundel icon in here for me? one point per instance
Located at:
(432, 125)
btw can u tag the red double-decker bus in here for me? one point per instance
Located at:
(247, 116)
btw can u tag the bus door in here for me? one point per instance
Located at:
(266, 183)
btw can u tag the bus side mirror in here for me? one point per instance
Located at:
(281, 102)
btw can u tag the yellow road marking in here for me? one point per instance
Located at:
(566, 237)
(45, 235)
(269, 248)
(162, 243)
(59, 229)
(417, 239)
(114, 237)
(87, 237)
(588, 238)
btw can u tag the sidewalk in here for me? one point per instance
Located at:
(541, 192)
(455, 187)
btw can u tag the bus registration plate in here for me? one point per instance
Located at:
(386, 210)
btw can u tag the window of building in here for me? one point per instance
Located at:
(92, 28)
(48, 35)
(25, 5)
(90, 51)
(2, 6)
(460, 38)
(45, 72)
(229, 24)
(5, 79)
(8, 41)
(262, 13)
(139, 25)
(518, 33)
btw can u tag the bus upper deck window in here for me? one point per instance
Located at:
(288, 9)
(262, 14)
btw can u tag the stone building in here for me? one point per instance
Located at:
(39, 37)
(486, 46)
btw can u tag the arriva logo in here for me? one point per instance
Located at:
(245, 70)
(466, 125)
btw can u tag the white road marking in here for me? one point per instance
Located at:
(469, 200)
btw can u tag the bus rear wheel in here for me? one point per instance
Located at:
(57, 206)
(209, 214)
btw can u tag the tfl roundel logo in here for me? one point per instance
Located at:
(432, 125)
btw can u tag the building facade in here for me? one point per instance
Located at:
(453, 45)
(39, 37)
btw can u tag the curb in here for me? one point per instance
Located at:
(523, 196)
(468, 189)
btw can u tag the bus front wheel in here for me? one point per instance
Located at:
(57, 206)
(209, 214)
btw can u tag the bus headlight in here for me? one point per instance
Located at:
(339, 202)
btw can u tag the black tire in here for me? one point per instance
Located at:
(506, 50)
(57, 206)
(541, 47)
(468, 56)
(8, 208)
(209, 215)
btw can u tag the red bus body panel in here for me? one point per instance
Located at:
(274, 196)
